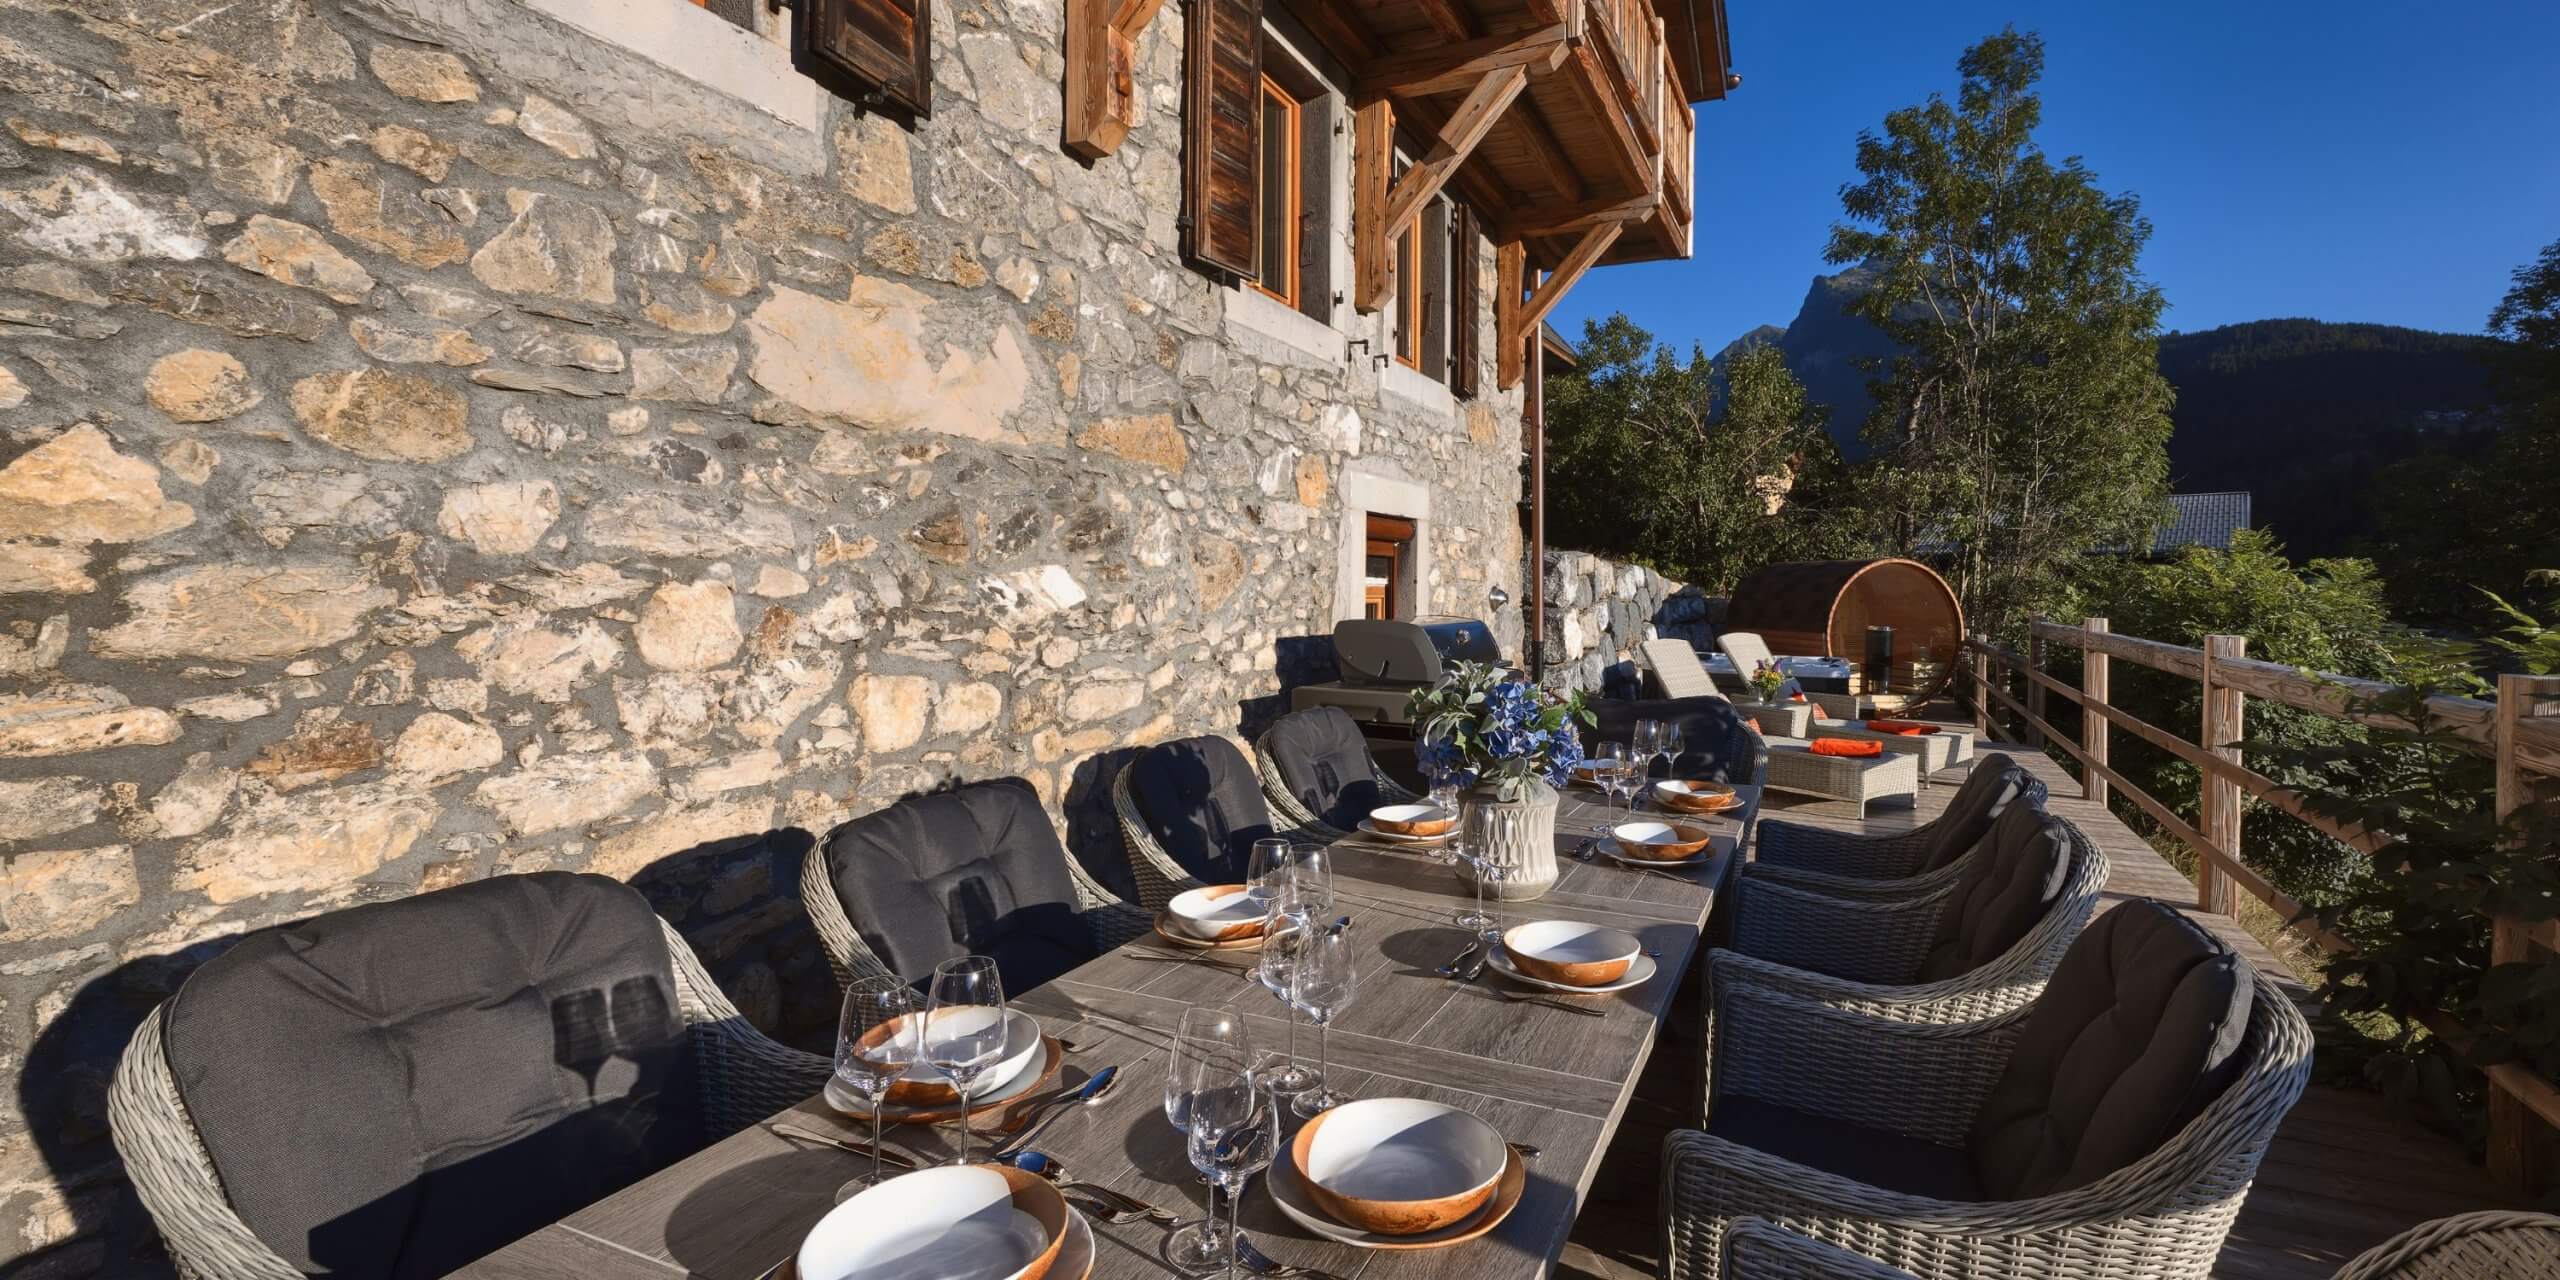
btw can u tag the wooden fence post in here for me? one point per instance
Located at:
(2093, 727)
(2514, 1149)
(2219, 803)
(2035, 692)
(1981, 695)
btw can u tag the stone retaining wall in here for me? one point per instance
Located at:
(1598, 611)
(410, 473)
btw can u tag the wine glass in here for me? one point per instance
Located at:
(1268, 865)
(878, 1036)
(1644, 742)
(1627, 778)
(964, 1028)
(1284, 930)
(1210, 1048)
(1327, 979)
(1667, 744)
(1435, 755)
(1465, 849)
(1311, 878)
(1234, 1127)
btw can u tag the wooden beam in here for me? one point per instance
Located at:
(1337, 26)
(1458, 138)
(1448, 67)
(1551, 291)
(1633, 163)
(1373, 146)
(1510, 348)
(1102, 90)
(1580, 215)
(1445, 19)
(1530, 124)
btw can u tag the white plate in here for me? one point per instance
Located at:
(925, 1224)
(1075, 1253)
(851, 1103)
(1021, 1050)
(1281, 1180)
(1638, 974)
(1370, 829)
(1700, 859)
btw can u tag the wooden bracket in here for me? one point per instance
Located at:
(1510, 271)
(1517, 322)
(1551, 291)
(1530, 221)
(1102, 82)
(1445, 68)
(1466, 127)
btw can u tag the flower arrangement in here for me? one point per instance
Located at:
(1497, 731)
(1767, 680)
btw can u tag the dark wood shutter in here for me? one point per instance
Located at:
(1222, 134)
(1464, 270)
(887, 45)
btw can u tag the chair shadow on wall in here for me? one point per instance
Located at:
(736, 900)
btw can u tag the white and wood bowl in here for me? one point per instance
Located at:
(1571, 952)
(1398, 1166)
(1660, 841)
(1216, 913)
(972, 1220)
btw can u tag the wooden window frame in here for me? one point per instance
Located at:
(1293, 191)
(1409, 301)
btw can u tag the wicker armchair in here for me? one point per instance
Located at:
(1842, 864)
(1867, 956)
(1757, 1249)
(2496, 1245)
(1286, 807)
(1110, 921)
(744, 1077)
(2162, 1216)
(1748, 651)
(1158, 874)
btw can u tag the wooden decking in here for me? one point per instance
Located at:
(2347, 1170)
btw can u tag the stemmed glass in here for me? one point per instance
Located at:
(1284, 931)
(1624, 778)
(1444, 775)
(964, 1028)
(1465, 849)
(878, 1036)
(1327, 979)
(1234, 1126)
(1644, 742)
(1210, 1048)
(1267, 868)
(1666, 744)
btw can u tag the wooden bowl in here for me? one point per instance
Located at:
(1398, 1166)
(1571, 952)
(1660, 841)
(981, 1219)
(1216, 913)
(923, 1086)
(1692, 796)
(1413, 820)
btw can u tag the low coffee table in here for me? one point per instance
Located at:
(1794, 767)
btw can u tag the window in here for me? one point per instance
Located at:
(1384, 577)
(741, 12)
(1279, 192)
(1409, 297)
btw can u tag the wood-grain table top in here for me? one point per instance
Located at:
(1549, 1078)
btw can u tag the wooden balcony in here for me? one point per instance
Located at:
(1552, 117)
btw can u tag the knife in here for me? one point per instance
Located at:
(1087, 1092)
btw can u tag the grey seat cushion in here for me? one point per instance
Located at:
(1995, 783)
(1325, 764)
(2015, 875)
(2141, 1027)
(1876, 1157)
(393, 1090)
(1716, 742)
(1200, 800)
(977, 870)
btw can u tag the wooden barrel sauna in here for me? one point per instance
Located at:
(1824, 607)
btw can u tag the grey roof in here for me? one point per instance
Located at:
(2204, 520)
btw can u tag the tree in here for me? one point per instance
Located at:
(2025, 420)
(1703, 474)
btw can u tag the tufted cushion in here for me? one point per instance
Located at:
(1876, 1157)
(393, 1090)
(2140, 1028)
(1988, 790)
(2013, 877)
(1200, 799)
(972, 871)
(1716, 743)
(1325, 764)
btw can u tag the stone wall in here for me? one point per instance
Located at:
(412, 471)
(1598, 611)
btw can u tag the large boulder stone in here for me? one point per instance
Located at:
(382, 415)
(199, 385)
(241, 612)
(689, 627)
(65, 893)
(558, 792)
(507, 518)
(75, 489)
(74, 718)
(78, 214)
(294, 254)
(555, 248)
(369, 209)
(867, 361)
(297, 844)
(428, 75)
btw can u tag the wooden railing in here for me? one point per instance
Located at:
(1629, 36)
(1679, 156)
(2520, 731)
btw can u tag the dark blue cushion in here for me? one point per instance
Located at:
(1715, 742)
(393, 1090)
(1202, 804)
(1325, 764)
(2013, 877)
(976, 870)
(1876, 1157)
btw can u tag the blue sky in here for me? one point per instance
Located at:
(2349, 160)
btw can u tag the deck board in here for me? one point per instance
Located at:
(2347, 1169)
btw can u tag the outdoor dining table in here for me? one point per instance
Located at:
(1546, 1077)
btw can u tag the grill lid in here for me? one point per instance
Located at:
(1394, 653)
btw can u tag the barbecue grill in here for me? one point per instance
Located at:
(1384, 660)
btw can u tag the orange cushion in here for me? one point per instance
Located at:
(1846, 747)
(1755, 724)
(1800, 698)
(1906, 728)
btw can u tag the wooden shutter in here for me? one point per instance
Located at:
(1463, 271)
(1222, 134)
(885, 44)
